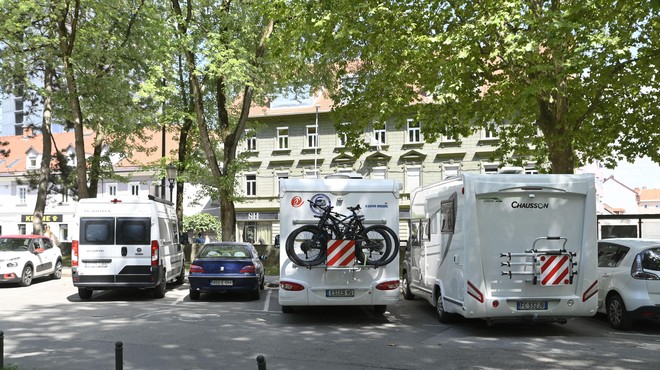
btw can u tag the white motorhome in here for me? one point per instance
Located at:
(126, 243)
(504, 246)
(334, 281)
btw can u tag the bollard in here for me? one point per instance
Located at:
(2, 349)
(261, 362)
(119, 355)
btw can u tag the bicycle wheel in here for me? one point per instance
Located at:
(395, 244)
(373, 246)
(307, 246)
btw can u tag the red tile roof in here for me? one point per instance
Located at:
(649, 195)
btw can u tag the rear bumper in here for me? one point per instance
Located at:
(318, 296)
(135, 279)
(238, 283)
(646, 312)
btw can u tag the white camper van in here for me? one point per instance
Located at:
(504, 246)
(126, 243)
(338, 278)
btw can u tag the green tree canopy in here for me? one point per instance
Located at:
(564, 82)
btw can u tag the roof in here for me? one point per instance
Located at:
(319, 99)
(26, 236)
(649, 195)
(20, 145)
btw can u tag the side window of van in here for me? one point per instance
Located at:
(97, 230)
(133, 230)
(448, 212)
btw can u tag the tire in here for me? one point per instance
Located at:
(374, 246)
(380, 309)
(396, 244)
(26, 276)
(307, 246)
(194, 295)
(181, 278)
(443, 316)
(159, 290)
(85, 293)
(407, 295)
(255, 294)
(262, 283)
(57, 273)
(287, 309)
(617, 315)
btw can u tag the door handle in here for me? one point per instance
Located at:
(124, 251)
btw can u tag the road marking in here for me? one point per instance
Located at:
(267, 303)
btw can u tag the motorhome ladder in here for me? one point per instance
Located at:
(547, 267)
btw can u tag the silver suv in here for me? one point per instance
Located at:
(629, 280)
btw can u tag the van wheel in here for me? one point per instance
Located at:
(57, 273)
(159, 290)
(617, 315)
(26, 277)
(443, 316)
(85, 293)
(182, 276)
(406, 288)
(194, 295)
(380, 309)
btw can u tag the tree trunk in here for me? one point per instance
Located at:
(227, 216)
(44, 173)
(558, 134)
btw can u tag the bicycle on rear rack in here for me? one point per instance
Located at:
(375, 245)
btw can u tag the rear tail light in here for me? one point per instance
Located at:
(388, 285)
(294, 287)
(74, 253)
(196, 269)
(249, 269)
(637, 271)
(154, 253)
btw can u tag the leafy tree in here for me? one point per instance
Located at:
(564, 82)
(201, 222)
(234, 53)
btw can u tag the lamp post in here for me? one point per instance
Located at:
(171, 177)
(316, 149)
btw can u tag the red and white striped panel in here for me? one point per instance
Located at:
(341, 253)
(555, 270)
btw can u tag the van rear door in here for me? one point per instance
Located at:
(96, 249)
(133, 242)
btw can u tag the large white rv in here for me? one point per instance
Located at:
(505, 246)
(126, 243)
(341, 280)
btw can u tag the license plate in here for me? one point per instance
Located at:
(222, 282)
(532, 305)
(96, 264)
(340, 293)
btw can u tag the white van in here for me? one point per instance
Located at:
(504, 246)
(338, 281)
(126, 243)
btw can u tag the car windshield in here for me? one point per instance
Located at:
(224, 250)
(14, 244)
(651, 259)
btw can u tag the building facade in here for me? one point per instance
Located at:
(299, 140)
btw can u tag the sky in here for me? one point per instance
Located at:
(643, 172)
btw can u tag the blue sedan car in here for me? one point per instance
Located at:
(226, 266)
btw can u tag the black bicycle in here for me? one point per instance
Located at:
(375, 245)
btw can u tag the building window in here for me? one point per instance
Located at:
(379, 173)
(283, 138)
(18, 104)
(414, 131)
(489, 132)
(451, 170)
(112, 190)
(250, 141)
(380, 131)
(64, 232)
(413, 177)
(312, 137)
(491, 168)
(279, 176)
(22, 194)
(31, 161)
(18, 117)
(251, 184)
(312, 174)
(342, 138)
(135, 189)
(22, 230)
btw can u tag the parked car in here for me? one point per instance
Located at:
(226, 266)
(25, 257)
(629, 280)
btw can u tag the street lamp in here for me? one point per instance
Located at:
(171, 176)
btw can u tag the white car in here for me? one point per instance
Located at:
(628, 280)
(25, 257)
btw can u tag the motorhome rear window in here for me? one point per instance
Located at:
(97, 230)
(133, 230)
